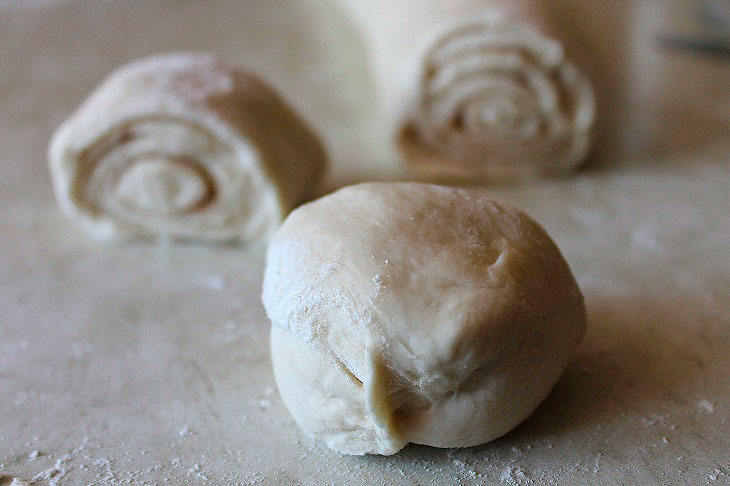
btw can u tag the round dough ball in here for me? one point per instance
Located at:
(407, 312)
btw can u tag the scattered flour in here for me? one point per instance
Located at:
(328, 270)
(264, 402)
(196, 471)
(716, 474)
(706, 406)
(464, 469)
(53, 474)
(378, 283)
(214, 282)
(230, 333)
(646, 238)
(81, 350)
(652, 420)
(597, 465)
(514, 476)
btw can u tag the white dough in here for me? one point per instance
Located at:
(409, 312)
(183, 146)
(475, 90)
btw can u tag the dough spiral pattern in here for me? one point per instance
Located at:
(499, 100)
(183, 146)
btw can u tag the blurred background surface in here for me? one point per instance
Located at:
(660, 68)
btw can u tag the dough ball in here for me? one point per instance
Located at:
(407, 312)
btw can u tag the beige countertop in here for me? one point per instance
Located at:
(149, 364)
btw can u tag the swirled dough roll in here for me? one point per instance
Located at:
(409, 312)
(186, 147)
(474, 90)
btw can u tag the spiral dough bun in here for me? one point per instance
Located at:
(183, 146)
(496, 100)
(406, 312)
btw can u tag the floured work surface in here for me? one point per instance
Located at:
(143, 364)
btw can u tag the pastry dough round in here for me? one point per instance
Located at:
(476, 90)
(185, 146)
(406, 312)
(497, 100)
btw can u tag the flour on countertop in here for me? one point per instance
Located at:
(716, 474)
(53, 474)
(514, 476)
(184, 431)
(706, 406)
(652, 419)
(214, 282)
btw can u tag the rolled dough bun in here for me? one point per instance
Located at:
(183, 146)
(476, 90)
(406, 312)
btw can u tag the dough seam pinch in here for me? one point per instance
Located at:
(381, 413)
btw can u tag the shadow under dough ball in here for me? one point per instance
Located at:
(406, 312)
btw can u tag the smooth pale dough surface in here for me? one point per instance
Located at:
(183, 146)
(139, 364)
(406, 312)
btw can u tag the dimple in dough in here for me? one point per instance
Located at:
(406, 312)
(184, 146)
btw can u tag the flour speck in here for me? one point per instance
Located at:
(214, 282)
(514, 476)
(715, 474)
(706, 406)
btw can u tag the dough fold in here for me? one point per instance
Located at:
(409, 312)
(183, 146)
(474, 90)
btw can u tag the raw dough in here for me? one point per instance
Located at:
(183, 146)
(409, 312)
(475, 90)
